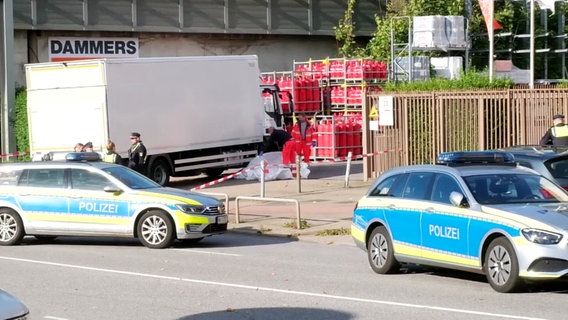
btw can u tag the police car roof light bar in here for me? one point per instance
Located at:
(83, 156)
(476, 158)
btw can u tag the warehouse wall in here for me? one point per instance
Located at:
(276, 53)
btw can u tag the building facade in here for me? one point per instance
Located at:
(278, 31)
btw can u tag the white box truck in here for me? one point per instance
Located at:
(195, 114)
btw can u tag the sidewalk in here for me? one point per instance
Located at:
(326, 206)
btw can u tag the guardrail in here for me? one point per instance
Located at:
(296, 202)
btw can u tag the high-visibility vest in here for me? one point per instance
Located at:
(109, 157)
(297, 135)
(559, 135)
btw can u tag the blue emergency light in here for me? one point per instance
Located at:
(476, 158)
(82, 156)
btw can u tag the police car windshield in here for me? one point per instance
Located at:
(513, 188)
(132, 179)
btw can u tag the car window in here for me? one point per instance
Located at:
(10, 177)
(513, 188)
(418, 185)
(44, 178)
(558, 167)
(444, 185)
(391, 186)
(87, 180)
(131, 178)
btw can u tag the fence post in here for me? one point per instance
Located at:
(348, 169)
(262, 178)
(298, 178)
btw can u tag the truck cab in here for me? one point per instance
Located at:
(273, 111)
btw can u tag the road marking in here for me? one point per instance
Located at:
(207, 252)
(54, 318)
(283, 291)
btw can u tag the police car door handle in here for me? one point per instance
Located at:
(391, 206)
(429, 210)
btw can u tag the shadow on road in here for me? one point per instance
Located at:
(226, 240)
(271, 313)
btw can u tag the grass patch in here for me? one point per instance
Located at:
(292, 224)
(264, 230)
(334, 232)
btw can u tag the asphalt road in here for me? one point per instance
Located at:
(240, 276)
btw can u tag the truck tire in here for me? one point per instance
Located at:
(160, 172)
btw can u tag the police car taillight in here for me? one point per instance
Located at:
(82, 156)
(476, 158)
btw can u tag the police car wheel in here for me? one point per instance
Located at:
(501, 266)
(155, 230)
(380, 252)
(11, 227)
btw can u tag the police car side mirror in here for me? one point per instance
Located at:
(112, 189)
(458, 200)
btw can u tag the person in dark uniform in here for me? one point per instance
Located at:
(281, 140)
(557, 135)
(277, 140)
(137, 154)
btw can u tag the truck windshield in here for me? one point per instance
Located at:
(131, 178)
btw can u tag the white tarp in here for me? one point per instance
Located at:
(275, 170)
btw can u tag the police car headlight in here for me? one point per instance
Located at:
(187, 208)
(541, 236)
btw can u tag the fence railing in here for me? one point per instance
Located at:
(426, 124)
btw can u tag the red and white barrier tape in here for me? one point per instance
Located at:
(231, 176)
(214, 182)
(15, 154)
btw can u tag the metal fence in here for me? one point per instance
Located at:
(426, 124)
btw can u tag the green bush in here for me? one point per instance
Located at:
(469, 80)
(21, 123)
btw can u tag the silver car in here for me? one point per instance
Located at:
(11, 308)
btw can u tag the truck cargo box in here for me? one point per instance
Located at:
(187, 109)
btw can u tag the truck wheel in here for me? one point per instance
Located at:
(155, 230)
(160, 172)
(11, 227)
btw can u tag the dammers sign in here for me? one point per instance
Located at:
(74, 48)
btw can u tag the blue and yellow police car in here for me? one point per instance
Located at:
(472, 211)
(86, 197)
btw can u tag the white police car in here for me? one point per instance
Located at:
(473, 211)
(93, 198)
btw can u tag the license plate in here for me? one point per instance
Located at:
(222, 219)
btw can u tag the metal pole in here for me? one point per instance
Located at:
(298, 178)
(348, 169)
(531, 59)
(491, 42)
(7, 85)
(262, 178)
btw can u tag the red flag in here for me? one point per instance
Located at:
(485, 7)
